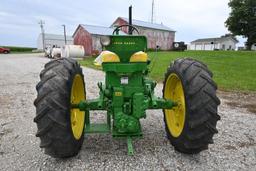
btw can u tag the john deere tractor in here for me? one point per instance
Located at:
(189, 101)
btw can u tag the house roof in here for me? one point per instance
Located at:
(98, 30)
(217, 39)
(148, 24)
(56, 37)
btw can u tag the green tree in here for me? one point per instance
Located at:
(242, 20)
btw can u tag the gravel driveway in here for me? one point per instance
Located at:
(234, 147)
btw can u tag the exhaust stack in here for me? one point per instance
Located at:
(130, 20)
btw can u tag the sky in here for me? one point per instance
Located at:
(192, 19)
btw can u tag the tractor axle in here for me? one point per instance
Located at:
(99, 104)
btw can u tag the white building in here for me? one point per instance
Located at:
(226, 42)
(53, 39)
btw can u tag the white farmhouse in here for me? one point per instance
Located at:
(226, 42)
(53, 39)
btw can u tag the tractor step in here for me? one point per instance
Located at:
(130, 150)
(101, 128)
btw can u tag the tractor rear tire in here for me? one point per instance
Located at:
(53, 108)
(194, 131)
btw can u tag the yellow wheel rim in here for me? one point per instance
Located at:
(77, 116)
(175, 118)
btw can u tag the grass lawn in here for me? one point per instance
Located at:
(15, 49)
(232, 70)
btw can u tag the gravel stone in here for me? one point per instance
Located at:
(234, 147)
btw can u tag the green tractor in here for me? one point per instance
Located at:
(189, 99)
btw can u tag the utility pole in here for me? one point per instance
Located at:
(65, 37)
(41, 23)
(152, 11)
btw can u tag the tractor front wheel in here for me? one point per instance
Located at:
(60, 128)
(190, 125)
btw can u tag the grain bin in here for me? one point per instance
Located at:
(72, 51)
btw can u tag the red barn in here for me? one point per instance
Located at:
(157, 34)
(89, 37)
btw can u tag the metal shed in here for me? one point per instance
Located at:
(53, 39)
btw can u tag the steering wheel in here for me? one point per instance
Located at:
(125, 25)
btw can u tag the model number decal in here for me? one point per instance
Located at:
(118, 93)
(124, 43)
(124, 80)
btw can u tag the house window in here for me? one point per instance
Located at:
(223, 47)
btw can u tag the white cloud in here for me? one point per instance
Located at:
(191, 19)
(4, 14)
(199, 17)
